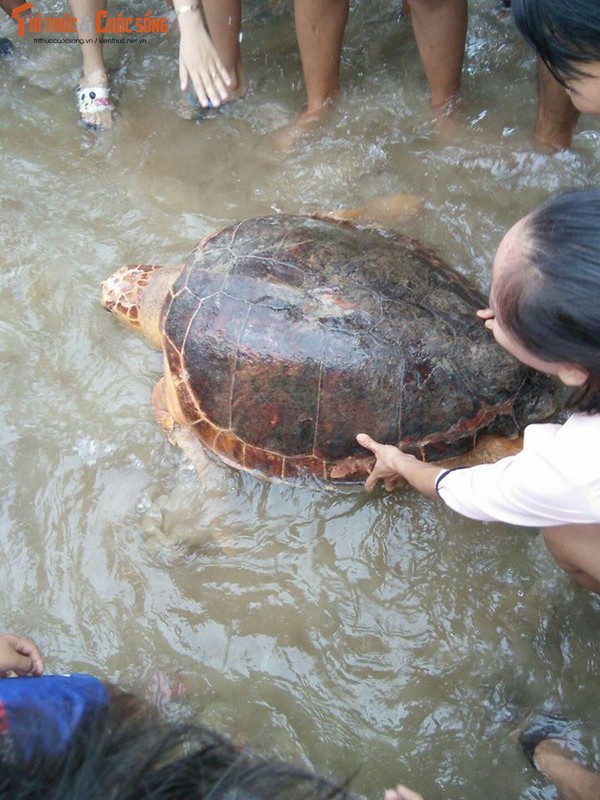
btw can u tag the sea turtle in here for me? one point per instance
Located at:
(285, 336)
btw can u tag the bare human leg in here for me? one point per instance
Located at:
(95, 73)
(224, 20)
(576, 548)
(320, 28)
(573, 781)
(440, 29)
(556, 114)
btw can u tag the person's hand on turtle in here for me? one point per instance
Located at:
(19, 654)
(389, 464)
(199, 62)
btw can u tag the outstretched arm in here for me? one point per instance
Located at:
(199, 62)
(395, 468)
(19, 654)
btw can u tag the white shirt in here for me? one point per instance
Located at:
(554, 480)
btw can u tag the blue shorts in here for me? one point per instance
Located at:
(38, 716)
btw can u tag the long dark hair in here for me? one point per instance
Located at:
(142, 757)
(550, 302)
(564, 33)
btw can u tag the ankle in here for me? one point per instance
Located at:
(447, 105)
(96, 74)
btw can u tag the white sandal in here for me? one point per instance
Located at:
(91, 100)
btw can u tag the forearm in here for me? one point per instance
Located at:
(421, 476)
(189, 18)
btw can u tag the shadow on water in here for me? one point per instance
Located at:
(325, 626)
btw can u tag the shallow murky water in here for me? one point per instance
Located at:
(328, 627)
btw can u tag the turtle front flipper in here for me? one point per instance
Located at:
(179, 433)
(159, 405)
(382, 212)
(167, 411)
(489, 449)
(187, 441)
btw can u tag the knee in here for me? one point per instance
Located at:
(576, 549)
(554, 539)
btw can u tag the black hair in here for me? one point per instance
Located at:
(550, 303)
(564, 33)
(143, 757)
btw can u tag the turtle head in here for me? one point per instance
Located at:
(135, 295)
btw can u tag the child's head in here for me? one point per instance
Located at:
(133, 753)
(546, 292)
(566, 36)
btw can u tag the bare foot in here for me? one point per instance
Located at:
(401, 793)
(288, 137)
(446, 121)
(93, 100)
